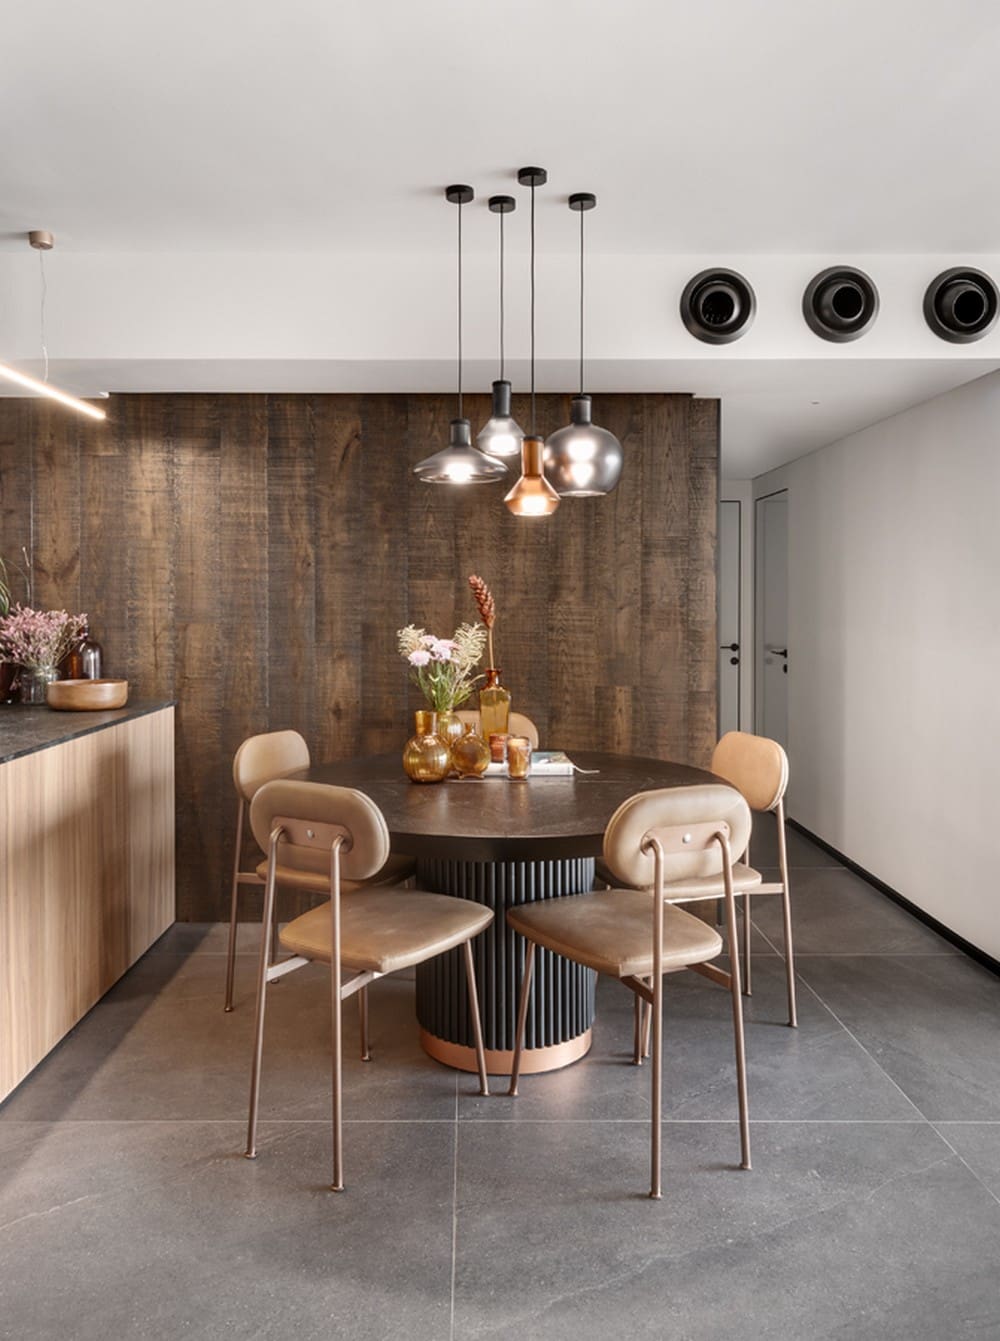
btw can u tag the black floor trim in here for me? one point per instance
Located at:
(973, 951)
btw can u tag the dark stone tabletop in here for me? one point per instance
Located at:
(24, 729)
(495, 819)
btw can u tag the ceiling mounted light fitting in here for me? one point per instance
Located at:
(532, 495)
(43, 241)
(961, 305)
(460, 462)
(582, 460)
(718, 306)
(501, 435)
(840, 304)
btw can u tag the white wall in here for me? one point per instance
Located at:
(894, 652)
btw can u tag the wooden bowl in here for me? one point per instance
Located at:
(87, 695)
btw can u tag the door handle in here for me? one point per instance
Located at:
(779, 652)
(734, 661)
(729, 647)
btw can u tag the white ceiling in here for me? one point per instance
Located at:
(781, 126)
(716, 128)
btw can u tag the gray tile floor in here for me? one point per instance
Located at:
(872, 1211)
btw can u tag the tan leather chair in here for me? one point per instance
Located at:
(260, 759)
(519, 724)
(758, 768)
(655, 843)
(340, 835)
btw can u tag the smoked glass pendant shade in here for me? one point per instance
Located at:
(532, 495)
(501, 436)
(582, 460)
(460, 462)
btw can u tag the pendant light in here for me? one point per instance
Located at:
(460, 462)
(43, 241)
(532, 495)
(501, 435)
(582, 460)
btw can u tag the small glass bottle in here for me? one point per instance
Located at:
(470, 755)
(85, 660)
(494, 705)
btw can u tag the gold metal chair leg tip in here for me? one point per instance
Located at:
(228, 1010)
(512, 1092)
(249, 1154)
(336, 1187)
(745, 1164)
(655, 1196)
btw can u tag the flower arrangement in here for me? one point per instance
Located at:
(38, 639)
(443, 668)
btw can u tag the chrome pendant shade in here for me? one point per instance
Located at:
(460, 462)
(501, 436)
(582, 460)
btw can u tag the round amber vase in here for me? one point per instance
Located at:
(470, 754)
(426, 757)
(450, 728)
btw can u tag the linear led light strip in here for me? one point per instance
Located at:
(46, 389)
(43, 241)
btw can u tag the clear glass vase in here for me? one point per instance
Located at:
(35, 681)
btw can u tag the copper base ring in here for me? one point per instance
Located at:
(499, 1062)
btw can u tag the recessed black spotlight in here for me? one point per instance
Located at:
(960, 305)
(840, 304)
(718, 306)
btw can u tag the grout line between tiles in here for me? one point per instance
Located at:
(965, 1162)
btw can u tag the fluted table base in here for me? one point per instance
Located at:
(561, 1008)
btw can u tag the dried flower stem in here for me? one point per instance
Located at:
(487, 609)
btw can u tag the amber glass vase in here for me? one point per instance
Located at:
(426, 757)
(494, 705)
(450, 728)
(470, 754)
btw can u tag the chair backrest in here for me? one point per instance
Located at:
(755, 765)
(706, 803)
(519, 724)
(263, 758)
(343, 809)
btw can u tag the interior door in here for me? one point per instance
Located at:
(730, 640)
(771, 607)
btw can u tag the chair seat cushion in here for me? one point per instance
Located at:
(612, 931)
(394, 872)
(382, 930)
(745, 881)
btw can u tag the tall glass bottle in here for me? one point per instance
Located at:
(494, 705)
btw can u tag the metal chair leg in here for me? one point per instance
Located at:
(477, 1027)
(263, 966)
(746, 945)
(656, 1097)
(366, 1052)
(647, 1021)
(522, 1017)
(637, 1030)
(741, 1063)
(233, 902)
(786, 908)
(336, 1021)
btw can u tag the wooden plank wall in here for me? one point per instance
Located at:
(252, 556)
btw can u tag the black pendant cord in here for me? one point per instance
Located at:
(501, 300)
(581, 302)
(533, 421)
(460, 309)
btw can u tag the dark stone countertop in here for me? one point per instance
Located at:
(24, 729)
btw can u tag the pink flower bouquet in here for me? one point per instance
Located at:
(443, 668)
(38, 639)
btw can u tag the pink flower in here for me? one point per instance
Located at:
(442, 649)
(419, 658)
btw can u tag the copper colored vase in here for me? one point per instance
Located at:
(426, 757)
(470, 754)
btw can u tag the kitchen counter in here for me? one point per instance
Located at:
(25, 729)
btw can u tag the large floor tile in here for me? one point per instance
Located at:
(840, 1231)
(162, 1230)
(835, 912)
(160, 1046)
(930, 1022)
(978, 1143)
(816, 1071)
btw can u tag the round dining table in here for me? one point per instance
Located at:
(502, 842)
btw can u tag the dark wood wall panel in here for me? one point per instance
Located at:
(252, 556)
